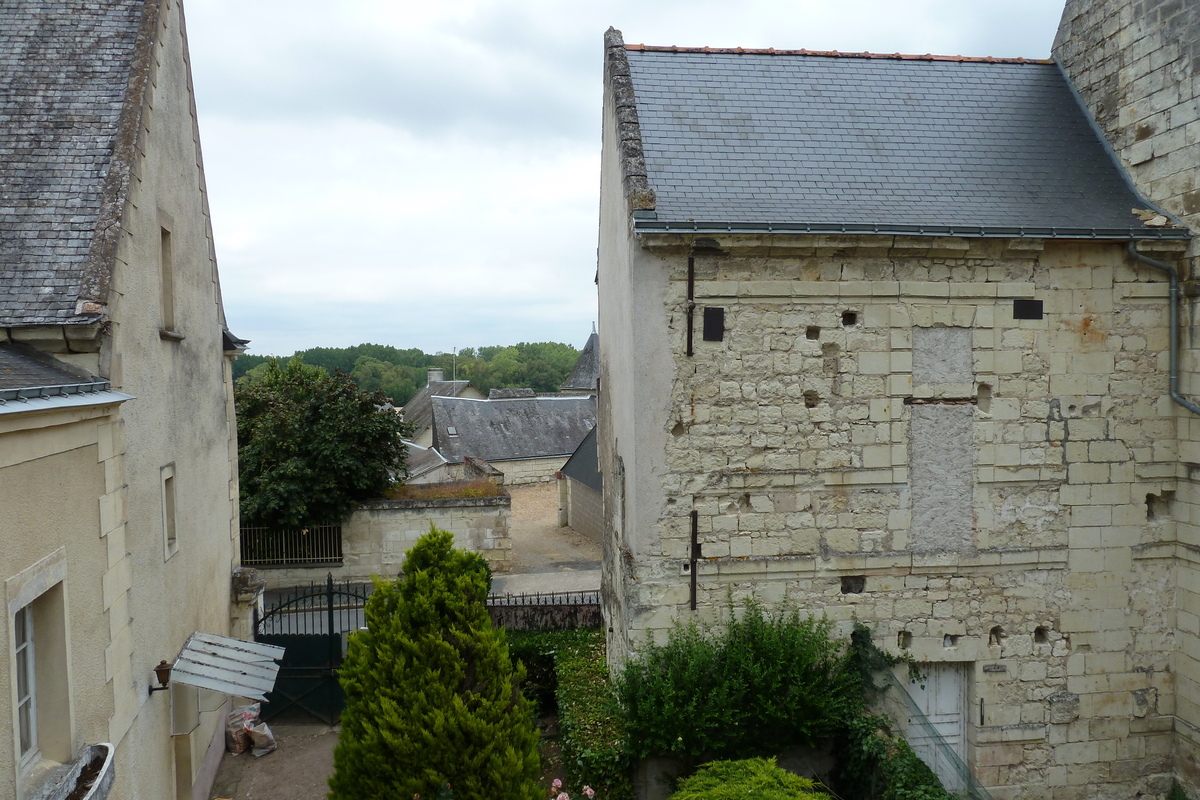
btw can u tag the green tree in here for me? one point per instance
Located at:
(758, 778)
(431, 695)
(311, 445)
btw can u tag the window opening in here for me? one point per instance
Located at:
(26, 691)
(714, 324)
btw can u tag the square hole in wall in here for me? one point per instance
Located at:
(1027, 309)
(714, 324)
(853, 584)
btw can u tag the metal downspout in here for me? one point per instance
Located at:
(1174, 324)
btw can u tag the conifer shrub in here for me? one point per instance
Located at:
(766, 683)
(431, 694)
(756, 778)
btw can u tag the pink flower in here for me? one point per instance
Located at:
(589, 791)
(556, 784)
(563, 796)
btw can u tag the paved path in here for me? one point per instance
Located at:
(297, 770)
(545, 556)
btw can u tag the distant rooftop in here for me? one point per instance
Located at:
(503, 430)
(586, 374)
(804, 141)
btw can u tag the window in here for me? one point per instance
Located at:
(39, 647)
(166, 259)
(26, 690)
(170, 536)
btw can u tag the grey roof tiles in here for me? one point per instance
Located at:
(64, 70)
(585, 376)
(755, 139)
(502, 430)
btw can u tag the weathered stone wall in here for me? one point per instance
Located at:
(585, 511)
(1135, 64)
(530, 470)
(378, 535)
(1034, 545)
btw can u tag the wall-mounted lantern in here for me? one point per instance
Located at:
(163, 673)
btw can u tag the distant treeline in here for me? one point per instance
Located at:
(541, 366)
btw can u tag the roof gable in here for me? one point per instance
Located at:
(830, 143)
(69, 85)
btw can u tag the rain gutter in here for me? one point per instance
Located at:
(1174, 323)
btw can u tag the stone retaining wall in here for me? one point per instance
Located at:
(378, 535)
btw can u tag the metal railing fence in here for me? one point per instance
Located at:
(311, 546)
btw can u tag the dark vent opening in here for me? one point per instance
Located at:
(849, 318)
(1041, 636)
(853, 584)
(996, 636)
(714, 324)
(811, 399)
(904, 640)
(812, 332)
(1027, 309)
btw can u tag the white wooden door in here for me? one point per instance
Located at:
(943, 701)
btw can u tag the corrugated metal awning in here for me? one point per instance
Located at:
(224, 664)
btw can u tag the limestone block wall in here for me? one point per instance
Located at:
(378, 535)
(1135, 64)
(884, 433)
(585, 512)
(530, 470)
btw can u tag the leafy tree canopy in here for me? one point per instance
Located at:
(311, 445)
(400, 374)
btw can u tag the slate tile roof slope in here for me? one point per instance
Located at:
(502, 430)
(834, 141)
(586, 374)
(584, 464)
(419, 411)
(64, 69)
(23, 367)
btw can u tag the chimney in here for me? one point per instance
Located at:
(435, 374)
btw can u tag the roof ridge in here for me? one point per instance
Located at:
(771, 51)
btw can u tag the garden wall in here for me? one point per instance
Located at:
(378, 534)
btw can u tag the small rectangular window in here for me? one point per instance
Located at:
(1027, 309)
(714, 324)
(26, 690)
(166, 258)
(170, 537)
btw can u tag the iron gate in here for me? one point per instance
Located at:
(311, 623)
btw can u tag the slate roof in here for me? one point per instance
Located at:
(586, 374)
(31, 381)
(422, 459)
(419, 411)
(25, 368)
(65, 68)
(584, 464)
(740, 140)
(504, 430)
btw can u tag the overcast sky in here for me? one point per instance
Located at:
(427, 174)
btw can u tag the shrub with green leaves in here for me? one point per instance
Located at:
(767, 683)
(756, 778)
(589, 715)
(431, 694)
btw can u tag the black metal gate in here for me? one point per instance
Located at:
(311, 623)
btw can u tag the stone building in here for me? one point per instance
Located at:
(888, 338)
(118, 475)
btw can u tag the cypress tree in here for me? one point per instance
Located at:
(431, 695)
